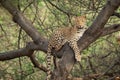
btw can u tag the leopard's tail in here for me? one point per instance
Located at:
(48, 64)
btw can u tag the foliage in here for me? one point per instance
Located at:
(98, 58)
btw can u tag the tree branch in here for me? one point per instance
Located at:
(26, 51)
(116, 14)
(37, 64)
(64, 11)
(96, 29)
(14, 54)
(23, 22)
(93, 33)
(34, 34)
(110, 29)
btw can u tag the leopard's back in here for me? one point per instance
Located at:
(56, 41)
(62, 35)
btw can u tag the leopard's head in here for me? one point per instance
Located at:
(80, 22)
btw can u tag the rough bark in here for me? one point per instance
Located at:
(67, 60)
(93, 33)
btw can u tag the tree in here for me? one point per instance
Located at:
(96, 30)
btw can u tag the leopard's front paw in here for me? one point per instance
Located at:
(78, 58)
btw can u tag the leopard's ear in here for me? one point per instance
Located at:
(74, 18)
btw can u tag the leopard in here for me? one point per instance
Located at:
(66, 34)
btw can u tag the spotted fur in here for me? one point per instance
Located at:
(63, 35)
